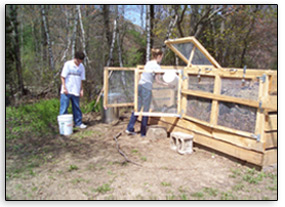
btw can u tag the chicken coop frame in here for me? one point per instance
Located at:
(240, 93)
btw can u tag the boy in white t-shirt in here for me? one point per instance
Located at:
(72, 75)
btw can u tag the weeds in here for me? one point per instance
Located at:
(103, 188)
(72, 168)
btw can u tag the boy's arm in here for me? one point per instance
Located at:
(63, 84)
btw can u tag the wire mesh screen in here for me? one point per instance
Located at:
(237, 116)
(199, 108)
(121, 87)
(164, 99)
(235, 87)
(185, 48)
(202, 83)
(200, 59)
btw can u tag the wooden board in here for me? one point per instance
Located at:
(273, 80)
(271, 122)
(172, 124)
(271, 139)
(270, 157)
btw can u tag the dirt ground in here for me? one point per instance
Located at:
(87, 166)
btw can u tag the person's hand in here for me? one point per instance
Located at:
(81, 93)
(65, 90)
(171, 86)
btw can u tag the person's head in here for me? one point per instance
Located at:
(156, 54)
(79, 56)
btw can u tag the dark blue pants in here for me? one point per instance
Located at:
(144, 100)
(64, 104)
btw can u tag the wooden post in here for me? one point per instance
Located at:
(191, 56)
(260, 116)
(215, 103)
(106, 73)
(180, 81)
(184, 85)
(136, 90)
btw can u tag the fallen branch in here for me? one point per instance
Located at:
(121, 152)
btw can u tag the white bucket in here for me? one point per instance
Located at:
(65, 123)
(170, 77)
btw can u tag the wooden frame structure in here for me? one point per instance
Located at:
(258, 147)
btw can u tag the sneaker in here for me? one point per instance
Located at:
(130, 133)
(82, 126)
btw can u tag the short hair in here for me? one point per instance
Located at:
(79, 55)
(156, 52)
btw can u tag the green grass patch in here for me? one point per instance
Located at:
(36, 119)
(103, 188)
(197, 195)
(165, 184)
(72, 168)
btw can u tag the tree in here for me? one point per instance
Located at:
(47, 34)
(16, 47)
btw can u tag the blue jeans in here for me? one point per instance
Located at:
(64, 104)
(144, 99)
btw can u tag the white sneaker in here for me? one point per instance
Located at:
(130, 133)
(82, 126)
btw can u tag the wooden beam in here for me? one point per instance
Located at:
(136, 90)
(273, 84)
(260, 116)
(191, 56)
(156, 114)
(120, 105)
(223, 98)
(271, 122)
(270, 157)
(222, 128)
(106, 83)
(120, 69)
(271, 139)
(180, 82)
(215, 103)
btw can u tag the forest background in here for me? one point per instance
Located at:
(40, 38)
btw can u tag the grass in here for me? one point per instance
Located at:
(33, 119)
(103, 188)
(72, 168)
(165, 184)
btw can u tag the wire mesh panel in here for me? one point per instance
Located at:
(185, 48)
(202, 83)
(199, 108)
(164, 99)
(247, 89)
(200, 59)
(121, 87)
(237, 116)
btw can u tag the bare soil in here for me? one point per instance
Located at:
(88, 166)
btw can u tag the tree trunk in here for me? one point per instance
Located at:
(47, 37)
(106, 23)
(148, 31)
(171, 25)
(68, 37)
(141, 16)
(16, 48)
(86, 61)
(110, 59)
(74, 34)
(180, 19)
